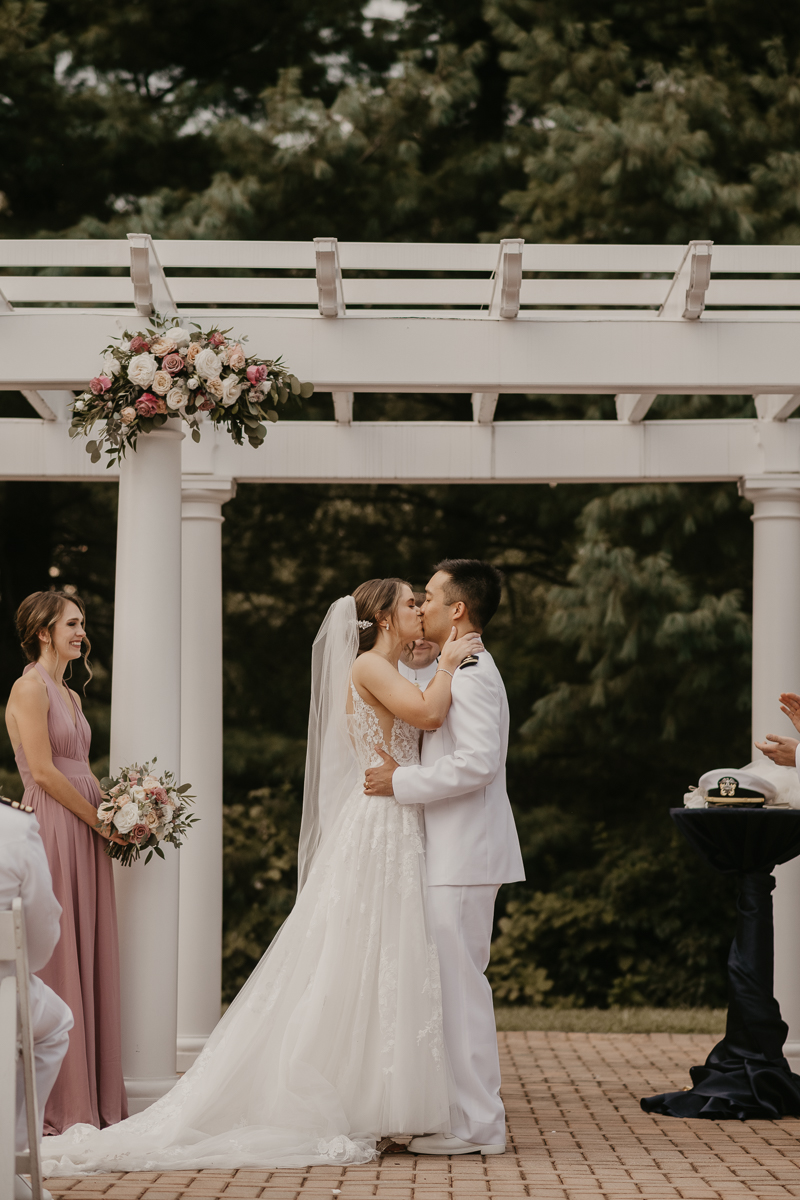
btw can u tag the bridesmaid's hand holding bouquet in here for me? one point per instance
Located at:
(143, 809)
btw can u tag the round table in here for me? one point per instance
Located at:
(746, 1076)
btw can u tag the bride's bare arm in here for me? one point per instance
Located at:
(424, 710)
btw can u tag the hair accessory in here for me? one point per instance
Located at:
(364, 624)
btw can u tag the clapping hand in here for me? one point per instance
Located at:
(790, 704)
(781, 750)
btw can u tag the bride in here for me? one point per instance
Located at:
(335, 1041)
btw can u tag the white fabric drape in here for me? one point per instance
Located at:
(331, 765)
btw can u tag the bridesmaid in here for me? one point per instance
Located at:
(51, 739)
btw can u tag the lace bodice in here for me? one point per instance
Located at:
(365, 729)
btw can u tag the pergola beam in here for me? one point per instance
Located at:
(633, 407)
(484, 405)
(507, 280)
(442, 451)
(151, 290)
(329, 277)
(540, 352)
(776, 408)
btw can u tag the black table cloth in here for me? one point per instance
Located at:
(746, 1076)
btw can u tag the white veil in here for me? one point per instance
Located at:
(332, 769)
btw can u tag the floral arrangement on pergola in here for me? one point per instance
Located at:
(178, 372)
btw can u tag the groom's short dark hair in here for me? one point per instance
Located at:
(477, 584)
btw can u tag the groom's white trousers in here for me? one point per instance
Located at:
(461, 920)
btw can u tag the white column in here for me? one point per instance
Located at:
(776, 669)
(200, 938)
(146, 721)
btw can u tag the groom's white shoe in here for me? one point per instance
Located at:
(442, 1143)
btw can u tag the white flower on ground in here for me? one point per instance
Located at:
(127, 817)
(142, 369)
(231, 390)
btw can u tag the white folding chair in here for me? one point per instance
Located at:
(16, 1036)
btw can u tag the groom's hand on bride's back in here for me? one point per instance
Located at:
(378, 780)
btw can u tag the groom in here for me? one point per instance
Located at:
(471, 847)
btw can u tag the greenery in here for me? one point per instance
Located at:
(624, 631)
(612, 1020)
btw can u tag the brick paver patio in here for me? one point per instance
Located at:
(576, 1132)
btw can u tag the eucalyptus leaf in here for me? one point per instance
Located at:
(306, 390)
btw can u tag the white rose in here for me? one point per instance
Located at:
(142, 369)
(151, 781)
(105, 811)
(231, 390)
(110, 365)
(79, 406)
(139, 794)
(207, 364)
(180, 336)
(127, 817)
(176, 397)
(194, 382)
(162, 382)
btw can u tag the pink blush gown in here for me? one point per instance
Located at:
(84, 969)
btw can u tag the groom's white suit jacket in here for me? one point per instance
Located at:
(470, 836)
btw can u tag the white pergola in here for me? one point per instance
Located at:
(488, 320)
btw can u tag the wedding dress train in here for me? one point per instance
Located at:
(336, 1038)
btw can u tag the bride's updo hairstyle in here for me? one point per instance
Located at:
(41, 610)
(375, 599)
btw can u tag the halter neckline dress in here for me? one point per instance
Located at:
(84, 969)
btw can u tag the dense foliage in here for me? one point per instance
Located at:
(624, 632)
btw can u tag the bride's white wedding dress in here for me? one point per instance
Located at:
(336, 1039)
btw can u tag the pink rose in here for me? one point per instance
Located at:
(138, 344)
(236, 359)
(147, 406)
(100, 384)
(206, 406)
(172, 363)
(140, 833)
(158, 794)
(216, 339)
(256, 374)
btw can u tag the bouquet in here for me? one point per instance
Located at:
(144, 809)
(180, 372)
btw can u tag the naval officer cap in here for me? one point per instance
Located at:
(728, 786)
